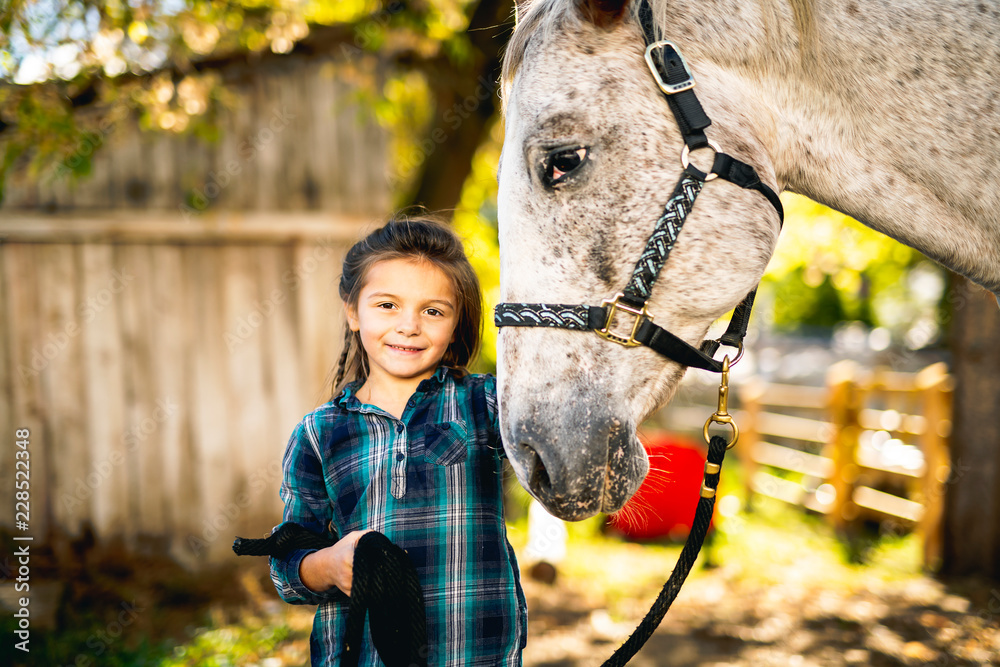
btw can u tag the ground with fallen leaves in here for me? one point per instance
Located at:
(780, 592)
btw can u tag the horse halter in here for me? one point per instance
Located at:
(676, 82)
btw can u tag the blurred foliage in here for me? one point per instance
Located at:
(246, 643)
(829, 268)
(79, 66)
(403, 106)
(475, 220)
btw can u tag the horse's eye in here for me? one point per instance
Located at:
(561, 162)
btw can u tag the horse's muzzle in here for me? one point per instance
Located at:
(578, 468)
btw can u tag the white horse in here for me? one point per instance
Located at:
(886, 110)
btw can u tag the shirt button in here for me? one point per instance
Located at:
(410, 403)
(445, 427)
(399, 428)
(400, 456)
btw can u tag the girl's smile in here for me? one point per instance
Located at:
(406, 317)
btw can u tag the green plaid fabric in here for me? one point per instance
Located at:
(432, 483)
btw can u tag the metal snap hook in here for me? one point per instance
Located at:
(721, 415)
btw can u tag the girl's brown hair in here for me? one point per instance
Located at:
(422, 238)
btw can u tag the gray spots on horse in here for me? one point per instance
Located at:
(601, 262)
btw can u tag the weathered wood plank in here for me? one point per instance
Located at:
(244, 314)
(228, 173)
(283, 383)
(65, 451)
(8, 376)
(267, 157)
(104, 393)
(94, 192)
(378, 189)
(353, 152)
(30, 360)
(171, 344)
(210, 417)
(20, 189)
(320, 158)
(159, 152)
(146, 411)
(244, 195)
(315, 272)
(292, 121)
(328, 168)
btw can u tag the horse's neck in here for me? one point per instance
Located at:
(889, 113)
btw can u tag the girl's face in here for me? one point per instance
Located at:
(406, 315)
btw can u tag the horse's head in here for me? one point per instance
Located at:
(590, 156)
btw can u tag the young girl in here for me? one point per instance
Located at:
(410, 448)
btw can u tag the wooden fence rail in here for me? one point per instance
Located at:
(870, 445)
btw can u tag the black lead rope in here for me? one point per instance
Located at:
(385, 587)
(689, 554)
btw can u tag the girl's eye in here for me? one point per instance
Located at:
(387, 306)
(434, 312)
(560, 163)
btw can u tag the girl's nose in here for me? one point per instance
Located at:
(408, 324)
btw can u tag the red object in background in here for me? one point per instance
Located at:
(665, 504)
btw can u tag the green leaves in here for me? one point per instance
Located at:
(828, 268)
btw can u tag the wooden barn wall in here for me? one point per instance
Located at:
(160, 367)
(295, 139)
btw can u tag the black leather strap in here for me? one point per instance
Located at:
(592, 318)
(672, 347)
(741, 174)
(737, 329)
(691, 117)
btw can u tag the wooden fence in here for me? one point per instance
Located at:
(160, 365)
(869, 445)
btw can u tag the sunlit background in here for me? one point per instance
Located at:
(178, 182)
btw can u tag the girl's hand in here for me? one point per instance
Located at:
(332, 566)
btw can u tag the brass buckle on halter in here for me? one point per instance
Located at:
(614, 337)
(669, 88)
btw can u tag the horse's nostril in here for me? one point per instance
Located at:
(538, 476)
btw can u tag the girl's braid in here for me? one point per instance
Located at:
(342, 364)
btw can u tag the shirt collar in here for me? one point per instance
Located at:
(348, 397)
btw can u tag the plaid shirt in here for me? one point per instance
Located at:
(432, 483)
